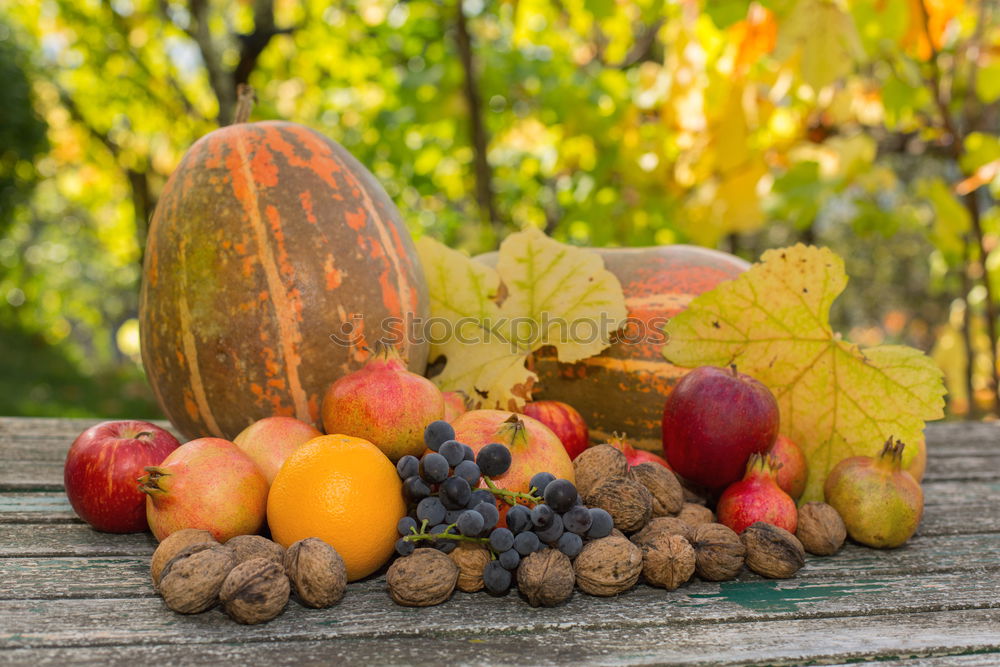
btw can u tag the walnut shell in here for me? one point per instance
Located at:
(255, 591)
(546, 578)
(316, 572)
(191, 580)
(172, 545)
(693, 514)
(255, 546)
(662, 484)
(471, 559)
(667, 561)
(718, 551)
(626, 500)
(424, 578)
(597, 464)
(608, 566)
(772, 551)
(820, 530)
(661, 525)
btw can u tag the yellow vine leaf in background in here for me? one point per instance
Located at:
(837, 399)
(824, 37)
(487, 321)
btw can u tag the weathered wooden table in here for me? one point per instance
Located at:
(70, 594)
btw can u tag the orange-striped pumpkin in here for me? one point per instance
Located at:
(624, 388)
(269, 239)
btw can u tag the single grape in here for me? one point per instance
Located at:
(560, 494)
(446, 546)
(510, 559)
(437, 433)
(539, 481)
(415, 489)
(433, 468)
(408, 466)
(451, 516)
(496, 578)
(542, 516)
(601, 523)
(470, 523)
(404, 525)
(518, 519)
(570, 544)
(470, 453)
(577, 520)
(494, 459)
(526, 543)
(490, 514)
(469, 471)
(480, 496)
(501, 539)
(404, 547)
(453, 451)
(455, 493)
(552, 532)
(440, 528)
(430, 510)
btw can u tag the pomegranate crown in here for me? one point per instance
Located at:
(151, 482)
(384, 352)
(762, 464)
(618, 441)
(892, 453)
(512, 431)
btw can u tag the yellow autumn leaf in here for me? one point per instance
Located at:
(823, 37)
(836, 399)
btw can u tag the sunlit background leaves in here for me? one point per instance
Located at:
(866, 125)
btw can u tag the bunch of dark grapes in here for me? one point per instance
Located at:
(447, 507)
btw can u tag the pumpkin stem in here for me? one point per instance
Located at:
(245, 98)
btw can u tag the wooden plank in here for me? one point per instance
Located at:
(786, 641)
(49, 576)
(77, 539)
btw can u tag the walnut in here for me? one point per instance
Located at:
(316, 572)
(661, 525)
(173, 545)
(662, 484)
(598, 464)
(255, 591)
(424, 578)
(718, 551)
(470, 559)
(667, 560)
(190, 581)
(608, 566)
(693, 514)
(546, 578)
(772, 552)
(821, 530)
(255, 546)
(627, 501)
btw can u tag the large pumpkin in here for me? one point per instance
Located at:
(624, 388)
(273, 261)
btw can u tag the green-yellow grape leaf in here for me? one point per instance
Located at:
(837, 399)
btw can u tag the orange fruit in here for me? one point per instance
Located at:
(344, 491)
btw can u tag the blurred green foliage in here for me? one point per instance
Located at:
(866, 125)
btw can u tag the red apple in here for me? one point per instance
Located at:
(564, 421)
(454, 405)
(713, 420)
(636, 456)
(269, 441)
(102, 467)
(794, 471)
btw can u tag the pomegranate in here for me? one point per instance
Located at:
(384, 403)
(533, 447)
(757, 497)
(713, 420)
(564, 421)
(269, 441)
(454, 405)
(208, 483)
(635, 456)
(794, 470)
(881, 503)
(101, 467)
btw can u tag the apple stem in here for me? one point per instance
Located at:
(732, 367)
